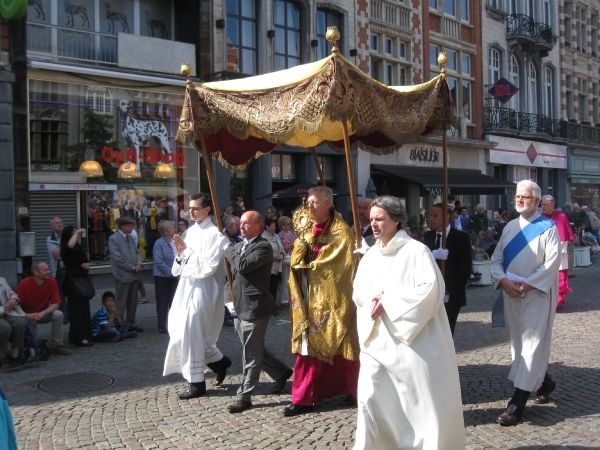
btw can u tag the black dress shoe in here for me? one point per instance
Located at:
(239, 406)
(136, 328)
(280, 382)
(349, 401)
(194, 390)
(509, 417)
(294, 410)
(220, 368)
(543, 393)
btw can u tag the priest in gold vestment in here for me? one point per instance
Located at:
(323, 316)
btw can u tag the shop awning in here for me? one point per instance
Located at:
(460, 181)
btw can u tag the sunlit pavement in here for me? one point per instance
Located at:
(113, 396)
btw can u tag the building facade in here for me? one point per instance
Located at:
(579, 78)
(405, 40)
(522, 110)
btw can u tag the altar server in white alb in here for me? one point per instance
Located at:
(525, 265)
(408, 387)
(196, 316)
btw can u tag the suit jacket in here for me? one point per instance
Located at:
(369, 238)
(251, 279)
(458, 265)
(123, 258)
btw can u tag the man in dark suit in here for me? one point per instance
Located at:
(251, 262)
(457, 255)
(364, 208)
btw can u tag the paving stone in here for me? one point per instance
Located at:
(141, 409)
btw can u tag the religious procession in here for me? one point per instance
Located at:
(371, 301)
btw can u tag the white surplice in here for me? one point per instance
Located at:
(197, 312)
(408, 388)
(529, 319)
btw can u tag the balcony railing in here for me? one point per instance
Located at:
(520, 24)
(69, 44)
(390, 13)
(509, 119)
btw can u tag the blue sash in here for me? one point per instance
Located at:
(525, 236)
(514, 247)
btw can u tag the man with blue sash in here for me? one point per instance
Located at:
(525, 266)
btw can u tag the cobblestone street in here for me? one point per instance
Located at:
(113, 396)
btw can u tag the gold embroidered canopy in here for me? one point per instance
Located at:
(240, 120)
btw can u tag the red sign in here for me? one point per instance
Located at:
(150, 156)
(503, 90)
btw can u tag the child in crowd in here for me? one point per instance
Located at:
(107, 326)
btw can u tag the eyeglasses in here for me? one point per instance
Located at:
(523, 197)
(314, 203)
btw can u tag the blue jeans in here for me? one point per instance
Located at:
(107, 333)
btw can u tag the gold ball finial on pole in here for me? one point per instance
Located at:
(442, 61)
(333, 35)
(186, 70)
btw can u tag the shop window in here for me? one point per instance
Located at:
(327, 168)
(283, 167)
(48, 134)
(241, 36)
(524, 173)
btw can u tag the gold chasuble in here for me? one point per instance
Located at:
(327, 314)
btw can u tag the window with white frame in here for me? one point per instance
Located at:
(326, 18)
(99, 100)
(374, 42)
(530, 8)
(458, 9)
(434, 52)
(570, 100)
(547, 12)
(513, 76)
(494, 70)
(241, 36)
(459, 77)
(450, 7)
(549, 92)
(391, 65)
(594, 34)
(532, 102)
(581, 28)
(286, 17)
(464, 10)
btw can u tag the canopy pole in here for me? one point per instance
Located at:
(442, 61)
(319, 168)
(352, 186)
(216, 210)
(444, 193)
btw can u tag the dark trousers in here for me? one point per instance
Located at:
(127, 295)
(452, 311)
(60, 279)
(165, 288)
(274, 284)
(256, 356)
(80, 319)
